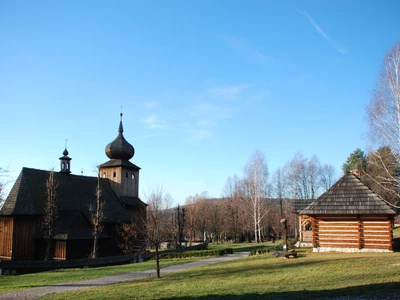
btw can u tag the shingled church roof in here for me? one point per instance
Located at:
(74, 193)
(349, 195)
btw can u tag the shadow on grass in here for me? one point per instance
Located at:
(396, 244)
(374, 291)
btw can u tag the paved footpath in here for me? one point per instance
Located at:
(33, 293)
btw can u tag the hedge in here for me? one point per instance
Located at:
(266, 250)
(196, 253)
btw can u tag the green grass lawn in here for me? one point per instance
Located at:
(14, 283)
(265, 277)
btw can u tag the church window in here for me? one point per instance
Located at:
(104, 175)
(115, 174)
(133, 176)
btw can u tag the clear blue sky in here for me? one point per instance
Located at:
(202, 84)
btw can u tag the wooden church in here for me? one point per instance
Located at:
(348, 217)
(22, 215)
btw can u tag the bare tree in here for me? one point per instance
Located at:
(158, 220)
(194, 217)
(50, 213)
(179, 225)
(383, 113)
(133, 238)
(256, 182)
(303, 177)
(97, 215)
(234, 222)
(381, 163)
(3, 183)
(327, 176)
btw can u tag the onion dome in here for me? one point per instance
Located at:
(120, 148)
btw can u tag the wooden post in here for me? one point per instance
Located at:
(285, 245)
(391, 235)
(314, 232)
(359, 232)
(300, 229)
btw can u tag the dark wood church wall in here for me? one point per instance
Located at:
(24, 237)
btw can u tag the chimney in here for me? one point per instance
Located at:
(356, 172)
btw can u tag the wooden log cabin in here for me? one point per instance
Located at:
(348, 217)
(22, 215)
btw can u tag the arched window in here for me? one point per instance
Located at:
(133, 176)
(104, 175)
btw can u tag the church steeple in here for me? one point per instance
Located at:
(122, 174)
(65, 162)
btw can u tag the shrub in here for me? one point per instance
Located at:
(278, 247)
(195, 253)
(259, 251)
(291, 242)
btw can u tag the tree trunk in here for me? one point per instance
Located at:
(157, 262)
(95, 240)
(255, 224)
(48, 250)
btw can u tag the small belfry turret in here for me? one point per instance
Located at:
(65, 162)
(123, 175)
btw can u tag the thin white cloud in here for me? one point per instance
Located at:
(229, 92)
(150, 104)
(204, 117)
(210, 111)
(198, 134)
(334, 43)
(248, 50)
(154, 122)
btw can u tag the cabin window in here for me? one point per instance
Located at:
(115, 174)
(104, 175)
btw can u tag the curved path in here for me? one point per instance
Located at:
(32, 293)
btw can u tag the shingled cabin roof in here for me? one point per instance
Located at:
(349, 195)
(75, 194)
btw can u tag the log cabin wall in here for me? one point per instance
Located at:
(377, 233)
(354, 232)
(6, 234)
